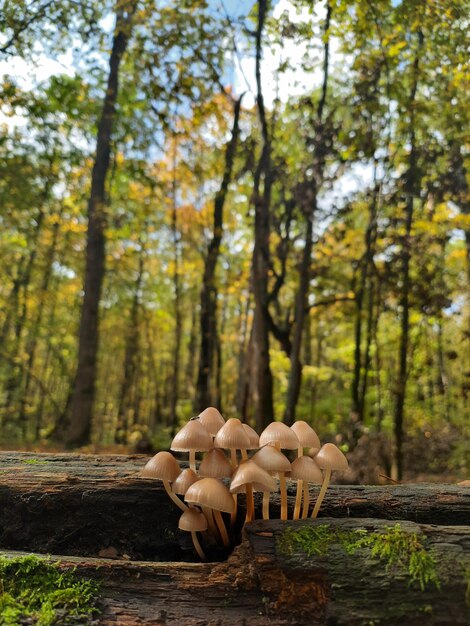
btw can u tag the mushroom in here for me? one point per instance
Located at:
(215, 465)
(233, 437)
(308, 438)
(181, 485)
(214, 497)
(193, 521)
(192, 438)
(305, 470)
(252, 436)
(212, 420)
(165, 467)
(329, 458)
(280, 435)
(273, 461)
(251, 476)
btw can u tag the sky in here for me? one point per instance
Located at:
(293, 82)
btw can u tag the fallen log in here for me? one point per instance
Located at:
(84, 504)
(296, 573)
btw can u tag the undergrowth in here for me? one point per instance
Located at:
(394, 546)
(35, 591)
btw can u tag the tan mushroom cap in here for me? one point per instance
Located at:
(211, 419)
(215, 465)
(163, 466)
(331, 458)
(184, 481)
(232, 436)
(193, 436)
(212, 493)
(278, 431)
(272, 460)
(308, 438)
(192, 520)
(252, 436)
(305, 468)
(250, 472)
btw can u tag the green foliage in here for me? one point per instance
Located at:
(36, 591)
(394, 546)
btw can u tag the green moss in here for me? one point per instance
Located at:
(393, 546)
(35, 591)
(34, 462)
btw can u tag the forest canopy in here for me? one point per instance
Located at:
(258, 206)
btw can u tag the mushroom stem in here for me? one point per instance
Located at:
(298, 499)
(210, 521)
(192, 460)
(298, 495)
(221, 526)
(174, 497)
(266, 505)
(283, 488)
(321, 495)
(306, 501)
(244, 454)
(250, 504)
(197, 546)
(233, 457)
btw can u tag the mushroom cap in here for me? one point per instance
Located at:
(215, 465)
(252, 436)
(272, 460)
(193, 436)
(278, 431)
(163, 466)
(232, 436)
(250, 472)
(184, 481)
(308, 438)
(192, 520)
(212, 493)
(331, 458)
(211, 419)
(305, 468)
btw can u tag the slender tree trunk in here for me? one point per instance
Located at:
(192, 351)
(261, 376)
(295, 377)
(411, 187)
(208, 323)
(32, 343)
(174, 418)
(365, 290)
(75, 427)
(126, 409)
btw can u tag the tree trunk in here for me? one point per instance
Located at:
(309, 209)
(75, 427)
(126, 410)
(34, 334)
(261, 376)
(208, 323)
(411, 187)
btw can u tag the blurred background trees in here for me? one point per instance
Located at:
(313, 238)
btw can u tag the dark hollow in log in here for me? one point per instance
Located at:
(83, 504)
(264, 582)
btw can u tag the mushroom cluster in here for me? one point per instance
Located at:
(209, 487)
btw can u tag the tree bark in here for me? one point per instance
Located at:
(208, 329)
(75, 427)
